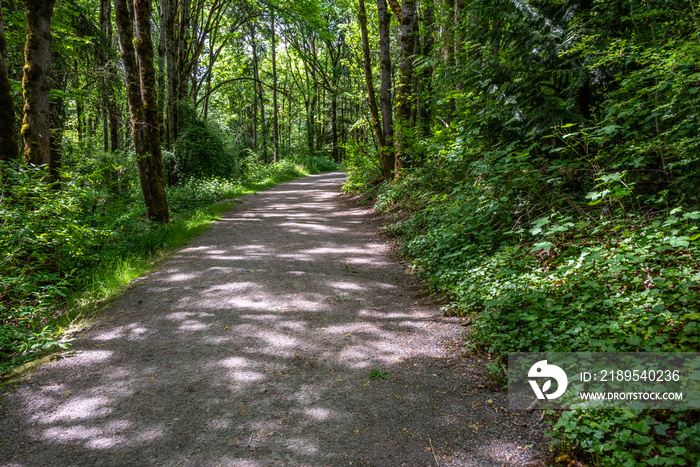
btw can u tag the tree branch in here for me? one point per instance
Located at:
(244, 78)
(396, 8)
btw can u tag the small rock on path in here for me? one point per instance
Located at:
(254, 346)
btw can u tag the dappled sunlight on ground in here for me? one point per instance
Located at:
(253, 346)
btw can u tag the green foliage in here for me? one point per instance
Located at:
(284, 170)
(316, 164)
(65, 248)
(197, 192)
(47, 236)
(363, 167)
(557, 201)
(287, 169)
(539, 267)
(376, 374)
(200, 151)
(627, 437)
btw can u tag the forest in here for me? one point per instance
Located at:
(537, 161)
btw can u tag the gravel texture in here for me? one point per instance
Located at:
(254, 346)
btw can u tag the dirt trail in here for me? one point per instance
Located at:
(253, 346)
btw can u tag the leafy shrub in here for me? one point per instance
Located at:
(199, 192)
(630, 438)
(259, 173)
(316, 164)
(200, 151)
(363, 169)
(545, 259)
(47, 236)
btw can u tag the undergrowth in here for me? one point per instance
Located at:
(541, 266)
(63, 250)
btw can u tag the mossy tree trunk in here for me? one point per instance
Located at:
(168, 22)
(140, 82)
(404, 94)
(426, 90)
(384, 17)
(36, 83)
(8, 143)
(384, 164)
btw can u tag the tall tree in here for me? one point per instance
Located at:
(275, 123)
(168, 22)
(425, 85)
(384, 18)
(36, 83)
(384, 164)
(140, 79)
(404, 97)
(8, 143)
(259, 90)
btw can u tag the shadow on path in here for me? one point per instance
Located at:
(253, 346)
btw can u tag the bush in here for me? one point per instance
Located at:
(316, 164)
(48, 236)
(363, 168)
(630, 438)
(199, 152)
(544, 258)
(200, 192)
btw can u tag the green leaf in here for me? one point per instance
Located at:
(641, 426)
(546, 246)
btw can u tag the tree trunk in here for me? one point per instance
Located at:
(416, 80)
(396, 8)
(180, 72)
(449, 55)
(79, 116)
(113, 106)
(105, 19)
(343, 132)
(182, 46)
(210, 72)
(161, 96)
(259, 92)
(8, 143)
(114, 128)
(312, 117)
(140, 82)
(254, 101)
(275, 155)
(458, 47)
(385, 165)
(404, 97)
(334, 127)
(385, 90)
(254, 126)
(424, 114)
(57, 112)
(168, 21)
(36, 83)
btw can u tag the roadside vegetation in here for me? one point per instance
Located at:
(65, 251)
(608, 278)
(538, 159)
(554, 201)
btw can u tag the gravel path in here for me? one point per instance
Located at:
(254, 345)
